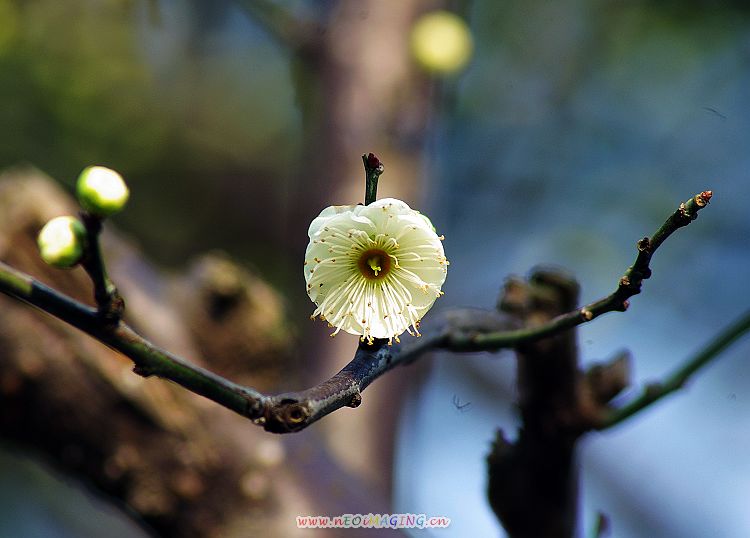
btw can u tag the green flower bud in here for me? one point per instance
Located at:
(101, 191)
(61, 241)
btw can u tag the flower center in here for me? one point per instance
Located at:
(374, 264)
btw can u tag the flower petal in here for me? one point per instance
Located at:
(352, 299)
(326, 215)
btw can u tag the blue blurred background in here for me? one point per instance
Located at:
(576, 128)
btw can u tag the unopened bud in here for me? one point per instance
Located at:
(101, 191)
(61, 241)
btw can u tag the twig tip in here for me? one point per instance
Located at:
(703, 198)
(373, 163)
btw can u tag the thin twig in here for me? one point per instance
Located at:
(629, 285)
(654, 392)
(108, 300)
(296, 410)
(373, 169)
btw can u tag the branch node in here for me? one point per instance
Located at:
(356, 400)
(644, 245)
(288, 415)
(587, 314)
(295, 414)
(112, 308)
(142, 370)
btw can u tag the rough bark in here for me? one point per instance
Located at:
(532, 482)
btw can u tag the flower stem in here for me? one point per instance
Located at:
(373, 169)
(108, 300)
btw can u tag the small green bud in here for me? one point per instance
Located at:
(101, 191)
(61, 241)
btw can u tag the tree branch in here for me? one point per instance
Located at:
(536, 474)
(630, 284)
(293, 411)
(148, 358)
(286, 27)
(654, 392)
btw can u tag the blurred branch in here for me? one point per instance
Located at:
(654, 392)
(287, 28)
(535, 474)
(601, 526)
(294, 411)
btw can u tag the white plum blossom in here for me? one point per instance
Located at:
(374, 270)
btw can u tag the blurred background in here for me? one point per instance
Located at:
(573, 129)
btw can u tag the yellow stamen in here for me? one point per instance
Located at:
(374, 264)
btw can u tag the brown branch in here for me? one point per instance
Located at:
(630, 284)
(294, 411)
(536, 474)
